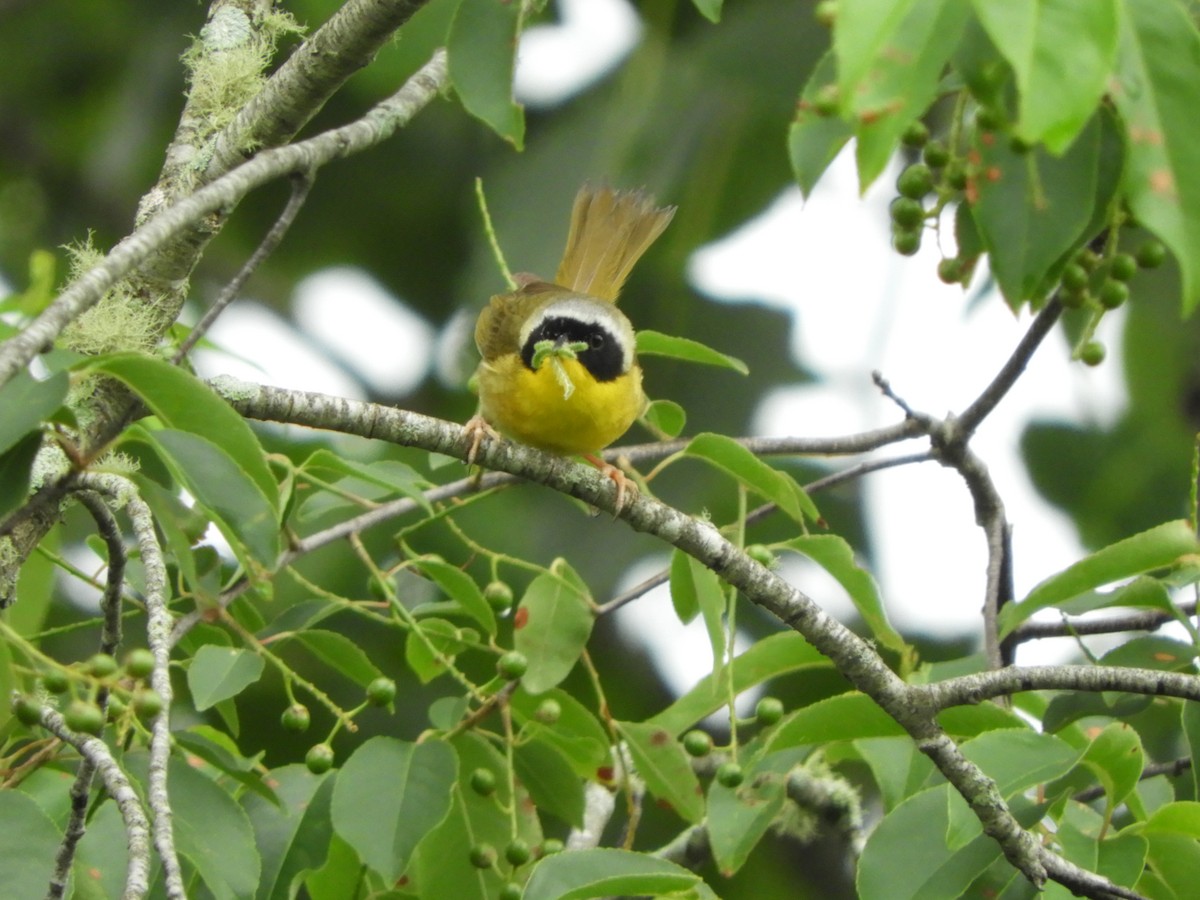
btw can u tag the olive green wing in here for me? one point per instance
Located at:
(498, 330)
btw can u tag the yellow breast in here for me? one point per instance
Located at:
(536, 409)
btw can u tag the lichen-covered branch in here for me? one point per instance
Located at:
(137, 830)
(122, 493)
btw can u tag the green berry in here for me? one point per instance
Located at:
(989, 119)
(1092, 353)
(499, 596)
(549, 711)
(956, 175)
(906, 243)
(483, 856)
(511, 891)
(768, 711)
(27, 710)
(56, 681)
(1074, 278)
(517, 853)
(84, 717)
(116, 707)
(102, 665)
(697, 743)
(1123, 267)
(935, 155)
(139, 663)
(550, 846)
(147, 703)
(483, 782)
(1113, 294)
(826, 12)
(319, 759)
(512, 665)
(915, 135)
(381, 691)
(907, 213)
(916, 181)
(951, 270)
(1151, 255)
(296, 718)
(1087, 258)
(730, 774)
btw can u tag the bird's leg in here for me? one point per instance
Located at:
(623, 484)
(477, 429)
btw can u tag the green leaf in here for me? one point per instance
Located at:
(845, 717)
(666, 417)
(389, 474)
(339, 653)
(777, 654)
(29, 836)
(211, 475)
(212, 832)
(666, 768)
(440, 868)
(431, 646)
(1062, 53)
(653, 343)
(815, 140)
(1018, 758)
(553, 784)
(1115, 756)
(101, 856)
(835, 555)
(1191, 731)
(551, 626)
(907, 858)
(890, 57)
(1159, 547)
(695, 586)
(16, 471)
(480, 54)
(218, 750)
(462, 589)
(293, 834)
(1033, 208)
(184, 402)
(710, 9)
(25, 402)
(577, 734)
(898, 767)
(739, 817)
(385, 825)
(605, 872)
(780, 488)
(218, 673)
(1158, 67)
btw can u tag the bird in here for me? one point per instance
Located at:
(558, 368)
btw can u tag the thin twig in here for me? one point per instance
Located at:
(122, 492)
(137, 830)
(1075, 626)
(110, 639)
(302, 183)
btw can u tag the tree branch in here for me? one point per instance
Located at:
(122, 492)
(379, 123)
(908, 705)
(971, 689)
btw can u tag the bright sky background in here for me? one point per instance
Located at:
(796, 256)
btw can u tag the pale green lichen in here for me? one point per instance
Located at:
(118, 322)
(227, 63)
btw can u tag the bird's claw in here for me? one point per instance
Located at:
(477, 429)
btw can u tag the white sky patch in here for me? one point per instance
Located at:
(366, 327)
(557, 61)
(256, 344)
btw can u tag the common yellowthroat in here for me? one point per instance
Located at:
(559, 370)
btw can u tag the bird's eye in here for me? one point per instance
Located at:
(596, 341)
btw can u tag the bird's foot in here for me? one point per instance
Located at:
(625, 487)
(477, 429)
